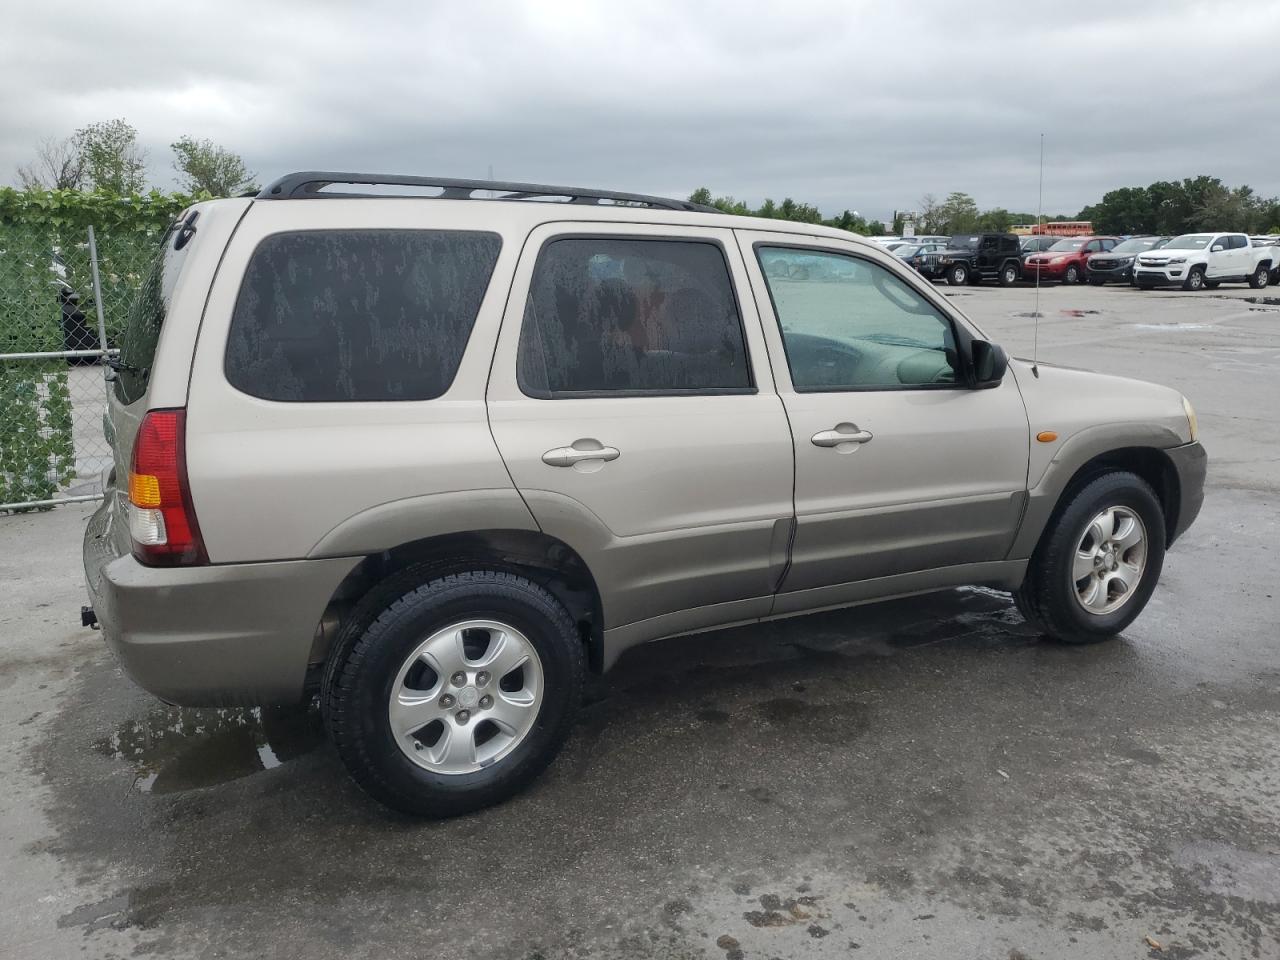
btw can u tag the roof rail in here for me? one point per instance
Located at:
(310, 185)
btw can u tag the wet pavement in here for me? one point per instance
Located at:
(920, 778)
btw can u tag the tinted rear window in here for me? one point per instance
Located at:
(609, 315)
(142, 328)
(351, 315)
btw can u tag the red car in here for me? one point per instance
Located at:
(1066, 260)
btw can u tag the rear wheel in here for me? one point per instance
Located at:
(1097, 565)
(1195, 279)
(958, 275)
(1260, 277)
(456, 694)
(1072, 275)
(1008, 275)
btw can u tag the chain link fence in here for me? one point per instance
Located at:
(59, 319)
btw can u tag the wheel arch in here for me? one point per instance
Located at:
(1046, 504)
(546, 560)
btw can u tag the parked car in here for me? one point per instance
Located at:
(974, 257)
(929, 239)
(1270, 241)
(1036, 244)
(1118, 264)
(921, 257)
(1066, 260)
(1195, 261)
(437, 459)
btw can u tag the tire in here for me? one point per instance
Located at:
(377, 654)
(1072, 275)
(958, 275)
(1195, 279)
(1260, 277)
(1008, 275)
(1095, 607)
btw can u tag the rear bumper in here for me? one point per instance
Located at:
(1191, 464)
(222, 635)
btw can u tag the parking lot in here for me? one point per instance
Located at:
(921, 778)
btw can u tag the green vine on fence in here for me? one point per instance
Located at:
(37, 454)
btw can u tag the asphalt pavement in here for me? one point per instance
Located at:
(922, 778)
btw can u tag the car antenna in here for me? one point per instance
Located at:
(1035, 342)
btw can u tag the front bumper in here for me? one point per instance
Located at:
(1191, 463)
(219, 635)
(1046, 271)
(1148, 276)
(1124, 272)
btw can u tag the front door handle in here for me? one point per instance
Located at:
(845, 437)
(583, 451)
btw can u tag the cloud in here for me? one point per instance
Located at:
(864, 107)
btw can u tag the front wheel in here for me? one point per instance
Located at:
(958, 275)
(1195, 279)
(1008, 275)
(1260, 277)
(1098, 563)
(455, 695)
(1072, 275)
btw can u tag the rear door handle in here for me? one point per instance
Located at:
(845, 437)
(582, 451)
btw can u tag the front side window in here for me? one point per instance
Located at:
(611, 315)
(849, 324)
(357, 315)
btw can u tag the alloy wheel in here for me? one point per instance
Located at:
(1109, 560)
(466, 697)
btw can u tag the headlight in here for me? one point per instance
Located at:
(1125, 261)
(1058, 260)
(1178, 260)
(1192, 422)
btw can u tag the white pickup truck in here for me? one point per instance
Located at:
(1194, 261)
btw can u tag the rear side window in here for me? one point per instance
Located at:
(620, 316)
(355, 315)
(142, 328)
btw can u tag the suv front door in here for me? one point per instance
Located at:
(633, 404)
(899, 468)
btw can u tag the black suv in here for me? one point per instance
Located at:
(974, 257)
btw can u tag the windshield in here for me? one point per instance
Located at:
(1068, 244)
(1136, 245)
(1190, 241)
(907, 250)
(964, 243)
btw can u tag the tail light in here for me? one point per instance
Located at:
(162, 520)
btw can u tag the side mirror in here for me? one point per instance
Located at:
(1217, 248)
(987, 363)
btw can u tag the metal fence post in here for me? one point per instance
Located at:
(97, 304)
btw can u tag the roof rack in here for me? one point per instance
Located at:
(311, 184)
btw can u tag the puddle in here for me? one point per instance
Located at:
(173, 749)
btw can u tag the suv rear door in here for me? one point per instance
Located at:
(898, 467)
(632, 401)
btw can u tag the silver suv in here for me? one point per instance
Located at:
(435, 458)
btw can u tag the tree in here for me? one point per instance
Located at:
(996, 220)
(702, 195)
(204, 166)
(959, 213)
(58, 166)
(931, 221)
(112, 159)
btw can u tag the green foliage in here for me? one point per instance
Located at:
(205, 167)
(787, 210)
(36, 449)
(111, 157)
(1196, 204)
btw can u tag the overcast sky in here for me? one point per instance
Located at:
(858, 106)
